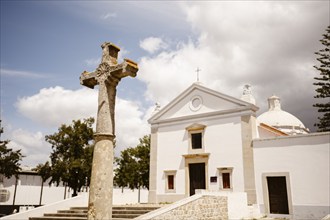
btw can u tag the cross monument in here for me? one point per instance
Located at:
(107, 76)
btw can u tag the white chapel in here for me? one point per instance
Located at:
(207, 140)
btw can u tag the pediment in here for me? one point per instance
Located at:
(200, 100)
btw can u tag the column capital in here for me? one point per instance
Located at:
(104, 136)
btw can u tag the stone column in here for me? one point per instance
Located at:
(107, 76)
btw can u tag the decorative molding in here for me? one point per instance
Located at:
(199, 155)
(196, 103)
(195, 127)
(222, 113)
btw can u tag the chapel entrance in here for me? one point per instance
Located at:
(196, 177)
(277, 194)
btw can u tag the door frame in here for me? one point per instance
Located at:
(286, 175)
(198, 179)
(195, 158)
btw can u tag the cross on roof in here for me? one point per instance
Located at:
(197, 71)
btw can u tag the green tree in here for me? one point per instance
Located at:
(323, 83)
(9, 159)
(142, 155)
(123, 169)
(133, 166)
(71, 158)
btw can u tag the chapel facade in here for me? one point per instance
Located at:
(207, 140)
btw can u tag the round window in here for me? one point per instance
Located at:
(196, 103)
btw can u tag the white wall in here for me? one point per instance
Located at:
(30, 195)
(222, 139)
(172, 144)
(306, 159)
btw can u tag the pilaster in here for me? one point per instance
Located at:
(248, 131)
(152, 197)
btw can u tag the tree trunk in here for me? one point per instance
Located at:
(139, 195)
(41, 190)
(64, 190)
(15, 191)
(74, 192)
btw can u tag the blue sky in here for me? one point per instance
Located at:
(46, 45)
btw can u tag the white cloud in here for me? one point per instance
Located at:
(265, 44)
(55, 106)
(152, 44)
(177, 72)
(33, 146)
(32, 140)
(130, 124)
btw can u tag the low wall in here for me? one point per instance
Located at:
(127, 196)
(30, 195)
(80, 200)
(204, 205)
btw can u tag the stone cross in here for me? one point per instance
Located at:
(107, 76)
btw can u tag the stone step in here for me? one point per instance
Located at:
(147, 208)
(68, 218)
(72, 211)
(69, 214)
(133, 211)
(57, 218)
(80, 213)
(150, 208)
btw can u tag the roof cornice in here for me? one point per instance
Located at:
(244, 110)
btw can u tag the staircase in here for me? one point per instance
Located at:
(124, 212)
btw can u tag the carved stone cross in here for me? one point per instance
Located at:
(107, 76)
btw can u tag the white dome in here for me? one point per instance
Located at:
(280, 119)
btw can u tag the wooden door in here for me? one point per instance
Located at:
(196, 177)
(278, 196)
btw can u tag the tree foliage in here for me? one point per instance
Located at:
(71, 158)
(323, 83)
(133, 166)
(44, 170)
(9, 159)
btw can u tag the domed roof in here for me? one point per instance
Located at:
(280, 119)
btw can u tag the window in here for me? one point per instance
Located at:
(195, 134)
(170, 181)
(226, 181)
(225, 174)
(4, 195)
(196, 140)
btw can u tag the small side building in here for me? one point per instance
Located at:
(292, 175)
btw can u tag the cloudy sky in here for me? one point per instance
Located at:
(46, 45)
